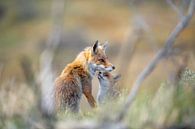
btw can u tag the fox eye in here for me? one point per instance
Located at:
(101, 60)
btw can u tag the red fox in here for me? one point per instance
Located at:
(107, 88)
(76, 78)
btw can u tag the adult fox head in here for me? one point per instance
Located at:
(98, 61)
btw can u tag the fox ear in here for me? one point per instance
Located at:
(117, 77)
(95, 47)
(105, 45)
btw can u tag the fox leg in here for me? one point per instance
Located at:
(87, 91)
(91, 100)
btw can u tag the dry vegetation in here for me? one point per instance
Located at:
(135, 30)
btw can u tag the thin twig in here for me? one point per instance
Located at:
(175, 8)
(129, 48)
(159, 56)
(1, 71)
(46, 77)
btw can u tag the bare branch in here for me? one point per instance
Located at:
(129, 47)
(159, 56)
(175, 8)
(46, 77)
(1, 71)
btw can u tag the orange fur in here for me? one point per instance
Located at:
(76, 78)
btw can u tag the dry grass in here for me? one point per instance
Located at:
(158, 103)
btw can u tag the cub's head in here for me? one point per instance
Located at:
(106, 79)
(98, 60)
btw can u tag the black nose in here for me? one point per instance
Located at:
(113, 67)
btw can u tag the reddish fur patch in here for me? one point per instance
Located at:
(75, 79)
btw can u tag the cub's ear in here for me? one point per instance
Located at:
(105, 45)
(95, 47)
(117, 77)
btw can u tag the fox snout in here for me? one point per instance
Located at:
(104, 68)
(110, 68)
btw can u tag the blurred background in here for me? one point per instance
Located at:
(135, 30)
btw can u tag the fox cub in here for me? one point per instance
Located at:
(76, 78)
(107, 88)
